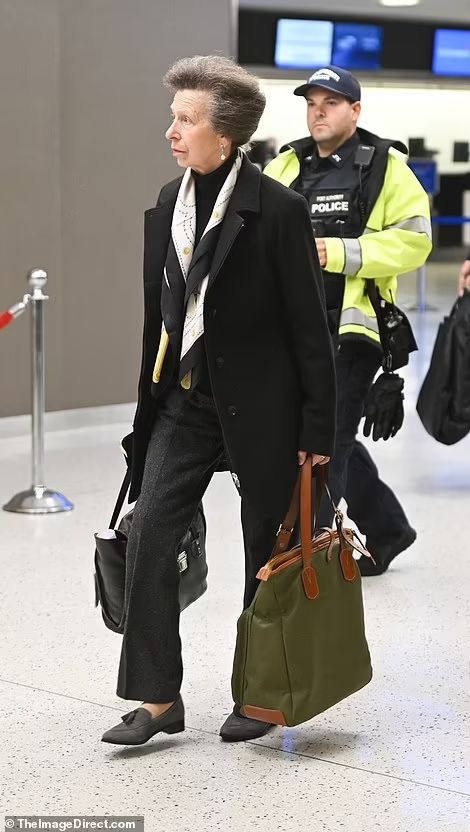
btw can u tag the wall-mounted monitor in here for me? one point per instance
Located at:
(357, 46)
(306, 44)
(451, 53)
(303, 44)
(291, 41)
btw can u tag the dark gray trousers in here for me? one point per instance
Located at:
(184, 451)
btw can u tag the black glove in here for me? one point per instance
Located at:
(383, 407)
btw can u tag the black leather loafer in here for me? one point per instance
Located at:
(238, 728)
(139, 726)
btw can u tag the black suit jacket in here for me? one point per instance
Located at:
(268, 348)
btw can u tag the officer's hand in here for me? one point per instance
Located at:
(383, 408)
(317, 459)
(464, 277)
(321, 249)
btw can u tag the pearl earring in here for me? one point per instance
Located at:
(222, 153)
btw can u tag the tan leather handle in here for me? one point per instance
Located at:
(287, 527)
(307, 473)
(303, 496)
(285, 531)
(309, 576)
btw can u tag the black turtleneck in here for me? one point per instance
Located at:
(208, 186)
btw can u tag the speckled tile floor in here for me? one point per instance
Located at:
(394, 757)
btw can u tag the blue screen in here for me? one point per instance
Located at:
(451, 54)
(303, 44)
(357, 46)
(426, 173)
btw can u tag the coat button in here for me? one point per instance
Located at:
(214, 312)
(219, 362)
(232, 410)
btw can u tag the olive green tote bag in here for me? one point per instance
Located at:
(301, 645)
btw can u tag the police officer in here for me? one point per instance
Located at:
(370, 218)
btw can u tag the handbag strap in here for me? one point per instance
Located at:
(307, 474)
(302, 497)
(374, 296)
(309, 578)
(287, 527)
(120, 500)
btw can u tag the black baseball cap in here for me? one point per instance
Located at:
(333, 78)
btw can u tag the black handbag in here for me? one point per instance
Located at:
(110, 564)
(444, 399)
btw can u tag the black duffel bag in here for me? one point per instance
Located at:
(110, 564)
(444, 399)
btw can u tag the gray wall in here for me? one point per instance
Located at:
(29, 184)
(82, 155)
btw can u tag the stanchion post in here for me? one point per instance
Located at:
(421, 305)
(421, 288)
(38, 499)
(37, 280)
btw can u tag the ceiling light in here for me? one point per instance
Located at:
(399, 2)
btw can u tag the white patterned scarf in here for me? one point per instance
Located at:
(186, 273)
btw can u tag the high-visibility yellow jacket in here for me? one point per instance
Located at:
(397, 239)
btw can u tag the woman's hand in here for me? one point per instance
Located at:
(322, 253)
(317, 459)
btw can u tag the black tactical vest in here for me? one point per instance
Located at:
(341, 198)
(332, 193)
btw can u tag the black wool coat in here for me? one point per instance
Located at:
(268, 348)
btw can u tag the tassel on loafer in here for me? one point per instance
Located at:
(138, 726)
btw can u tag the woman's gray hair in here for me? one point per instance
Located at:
(237, 102)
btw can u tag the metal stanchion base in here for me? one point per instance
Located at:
(38, 500)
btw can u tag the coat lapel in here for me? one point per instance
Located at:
(245, 198)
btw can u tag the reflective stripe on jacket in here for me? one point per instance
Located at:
(397, 239)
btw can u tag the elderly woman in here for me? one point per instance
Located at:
(237, 366)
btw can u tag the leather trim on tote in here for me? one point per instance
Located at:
(281, 561)
(348, 565)
(264, 714)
